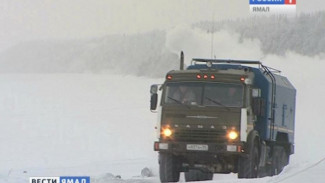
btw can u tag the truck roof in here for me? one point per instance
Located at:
(259, 73)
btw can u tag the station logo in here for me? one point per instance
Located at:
(65, 179)
(264, 7)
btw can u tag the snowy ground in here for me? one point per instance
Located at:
(75, 124)
(100, 126)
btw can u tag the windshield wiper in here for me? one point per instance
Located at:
(218, 103)
(179, 102)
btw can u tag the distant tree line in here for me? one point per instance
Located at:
(146, 54)
(303, 34)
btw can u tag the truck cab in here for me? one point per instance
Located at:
(223, 116)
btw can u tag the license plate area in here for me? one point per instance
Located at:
(197, 147)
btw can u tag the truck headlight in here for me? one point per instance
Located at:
(167, 132)
(232, 135)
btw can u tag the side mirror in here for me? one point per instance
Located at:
(153, 101)
(154, 97)
(153, 89)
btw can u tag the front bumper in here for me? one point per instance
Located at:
(180, 148)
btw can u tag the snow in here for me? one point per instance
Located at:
(100, 125)
(79, 124)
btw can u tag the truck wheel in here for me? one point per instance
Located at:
(197, 175)
(209, 176)
(168, 168)
(279, 161)
(248, 166)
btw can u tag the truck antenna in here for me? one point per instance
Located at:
(212, 34)
(182, 61)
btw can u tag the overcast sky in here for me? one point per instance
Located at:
(22, 20)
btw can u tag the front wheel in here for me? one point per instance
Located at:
(168, 168)
(248, 166)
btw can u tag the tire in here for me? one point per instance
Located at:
(169, 167)
(249, 166)
(280, 159)
(209, 176)
(197, 175)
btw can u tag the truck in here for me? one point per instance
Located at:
(223, 116)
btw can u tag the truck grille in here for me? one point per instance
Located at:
(201, 135)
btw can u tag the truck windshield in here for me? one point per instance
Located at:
(207, 94)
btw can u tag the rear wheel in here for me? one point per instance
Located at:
(248, 166)
(197, 175)
(169, 166)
